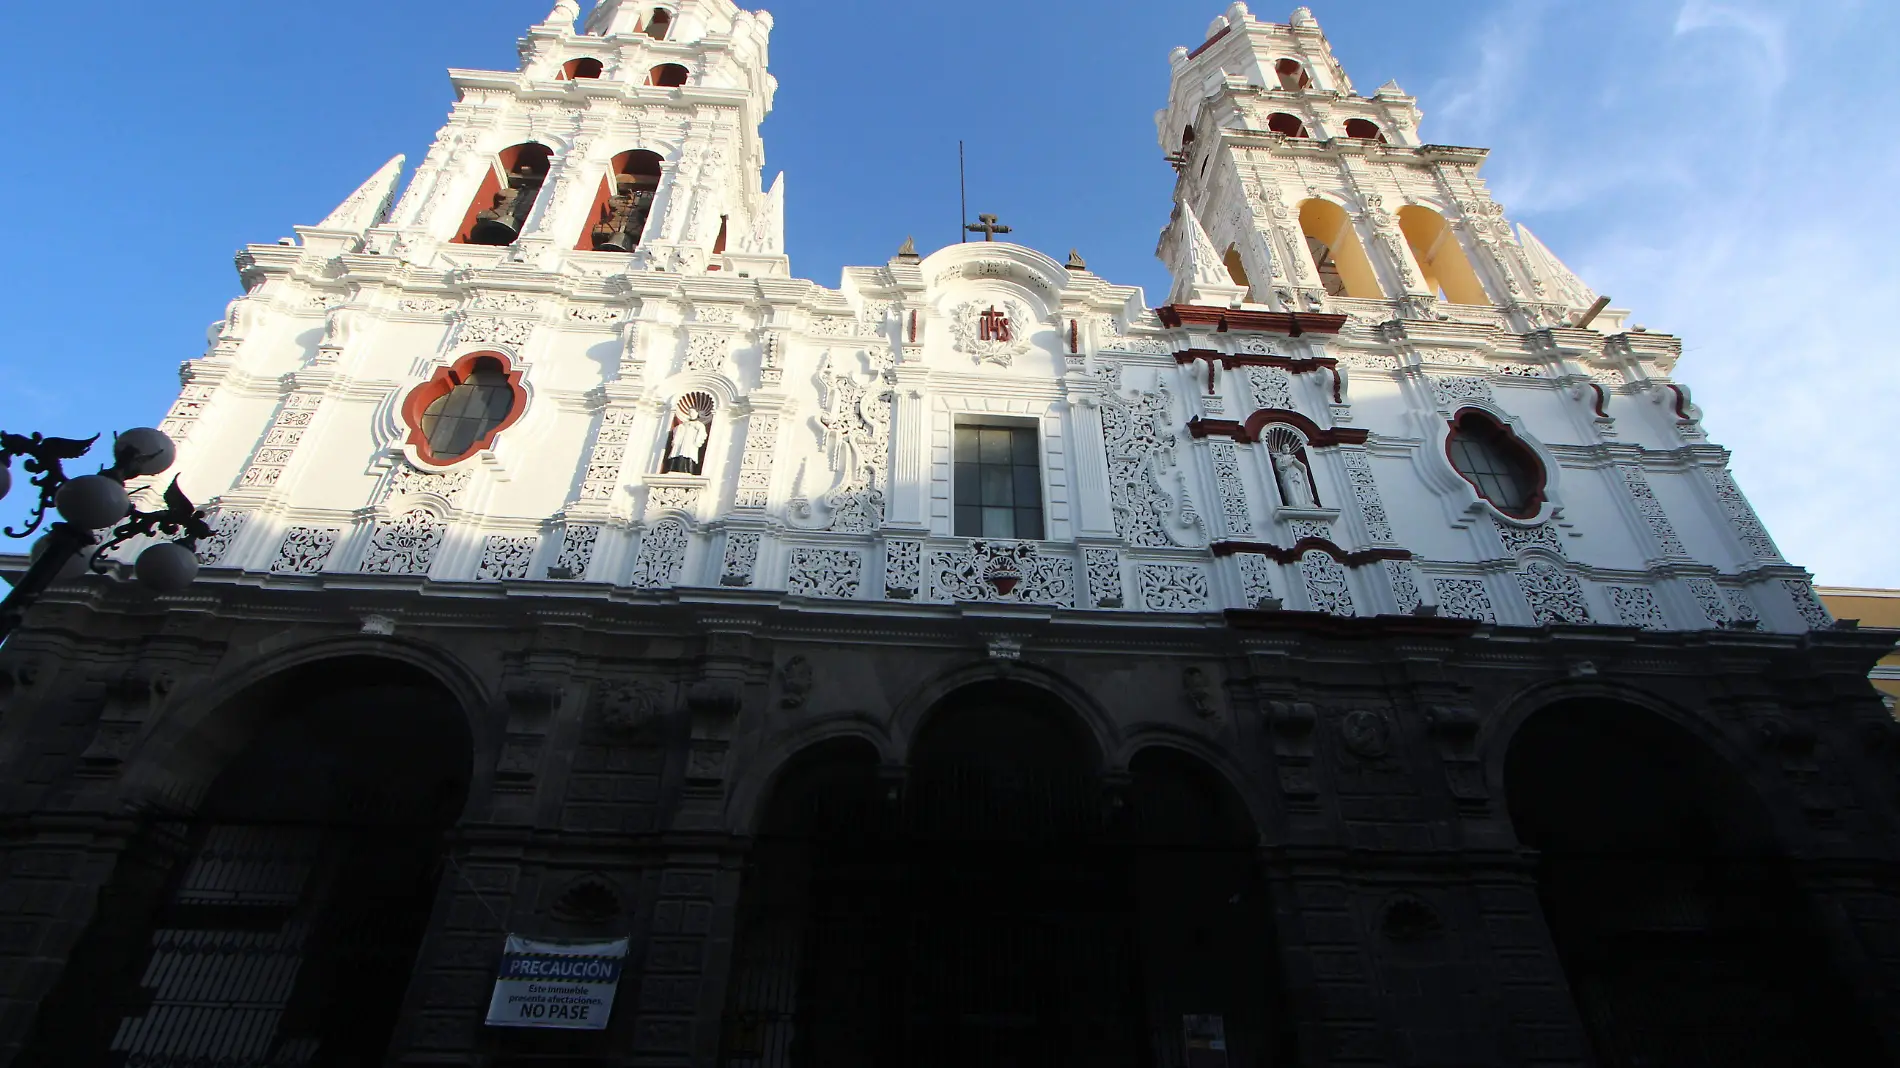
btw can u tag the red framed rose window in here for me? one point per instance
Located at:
(1503, 469)
(458, 413)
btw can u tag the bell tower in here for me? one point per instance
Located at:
(633, 138)
(1296, 193)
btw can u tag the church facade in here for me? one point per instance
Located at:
(1359, 657)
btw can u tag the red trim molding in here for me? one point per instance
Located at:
(441, 385)
(1231, 360)
(1209, 43)
(1306, 545)
(1292, 324)
(1249, 432)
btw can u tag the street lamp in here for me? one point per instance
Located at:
(89, 503)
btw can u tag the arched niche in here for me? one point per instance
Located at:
(503, 202)
(1344, 270)
(284, 911)
(1448, 272)
(1669, 897)
(617, 220)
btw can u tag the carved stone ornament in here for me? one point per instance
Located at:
(629, 707)
(589, 901)
(1011, 571)
(991, 331)
(1366, 734)
(794, 682)
(1200, 692)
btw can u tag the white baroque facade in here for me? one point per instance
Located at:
(832, 411)
(1359, 656)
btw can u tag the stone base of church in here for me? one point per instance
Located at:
(612, 764)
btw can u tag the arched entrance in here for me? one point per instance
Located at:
(1002, 903)
(1681, 931)
(277, 924)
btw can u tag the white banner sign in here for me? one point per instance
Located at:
(557, 984)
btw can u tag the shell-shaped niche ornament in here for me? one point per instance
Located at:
(692, 428)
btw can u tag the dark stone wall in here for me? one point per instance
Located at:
(624, 754)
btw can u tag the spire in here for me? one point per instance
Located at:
(369, 205)
(1199, 276)
(563, 16)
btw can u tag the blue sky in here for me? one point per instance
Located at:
(1723, 169)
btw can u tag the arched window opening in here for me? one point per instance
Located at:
(507, 196)
(582, 68)
(1679, 920)
(1448, 272)
(621, 207)
(1501, 468)
(1338, 256)
(1292, 471)
(280, 921)
(667, 75)
(1236, 268)
(719, 242)
(1292, 75)
(1365, 130)
(659, 24)
(686, 440)
(461, 410)
(1286, 125)
(1187, 139)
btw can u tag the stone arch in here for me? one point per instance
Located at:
(1198, 747)
(913, 711)
(506, 199)
(282, 908)
(1665, 878)
(196, 717)
(753, 790)
(1334, 247)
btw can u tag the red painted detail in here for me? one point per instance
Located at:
(1209, 43)
(1306, 545)
(1682, 401)
(913, 326)
(1510, 441)
(993, 325)
(1075, 341)
(1248, 432)
(1603, 400)
(1231, 360)
(1364, 627)
(491, 184)
(444, 381)
(580, 68)
(1288, 323)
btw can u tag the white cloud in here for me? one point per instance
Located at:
(1704, 170)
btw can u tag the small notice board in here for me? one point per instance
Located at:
(557, 984)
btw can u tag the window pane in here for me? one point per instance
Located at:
(1024, 445)
(995, 447)
(996, 486)
(966, 444)
(999, 523)
(966, 484)
(969, 522)
(1028, 486)
(1029, 524)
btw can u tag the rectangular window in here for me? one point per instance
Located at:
(998, 483)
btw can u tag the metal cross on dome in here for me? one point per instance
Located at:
(987, 225)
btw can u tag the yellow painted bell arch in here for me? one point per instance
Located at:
(1448, 272)
(1341, 260)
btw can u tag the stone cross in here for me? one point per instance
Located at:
(988, 226)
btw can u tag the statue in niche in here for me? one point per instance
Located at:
(1290, 471)
(686, 445)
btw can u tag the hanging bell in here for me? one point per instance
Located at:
(491, 229)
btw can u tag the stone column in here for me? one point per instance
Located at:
(1088, 458)
(910, 450)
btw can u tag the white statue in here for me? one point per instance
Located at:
(689, 438)
(1296, 483)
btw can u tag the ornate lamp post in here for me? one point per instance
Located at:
(90, 503)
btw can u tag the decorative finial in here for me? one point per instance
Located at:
(908, 250)
(1076, 262)
(563, 15)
